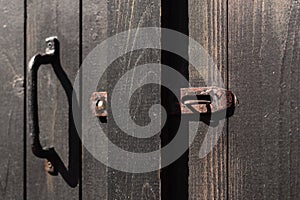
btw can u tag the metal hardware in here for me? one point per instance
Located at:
(50, 168)
(51, 56)
(99, 104)
(208, 101)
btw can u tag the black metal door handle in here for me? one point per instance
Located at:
(51, 56)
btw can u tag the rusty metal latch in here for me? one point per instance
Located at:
(208, 101)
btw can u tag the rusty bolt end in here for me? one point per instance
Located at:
(236, 100)
(50, 168)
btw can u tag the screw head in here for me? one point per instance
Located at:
(100, 104)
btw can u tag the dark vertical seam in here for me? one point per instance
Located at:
(187, 26)
(80, 81)
(25, 104)
(175, 17)
(227, 86)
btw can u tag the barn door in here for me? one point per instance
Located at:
(254, 45)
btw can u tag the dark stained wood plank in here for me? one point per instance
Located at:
(122, 16)
(208, 26)
(101, 20)
(94, 173)
(54, 18)
(12, 99)
(264, 72)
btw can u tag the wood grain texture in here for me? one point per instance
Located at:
(94, 173)
(61, 19)
(123, 16)
(262, 142)
(12, 99)
(264, 73)
(208, 26)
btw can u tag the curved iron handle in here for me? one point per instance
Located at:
(51, 56)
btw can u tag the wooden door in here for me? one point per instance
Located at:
(255, 46)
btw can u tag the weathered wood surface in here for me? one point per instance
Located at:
(264, 73)
(123, 16)
(12, 99)
(61, 19)
(94, 31)
(208, 26)
(257, 155)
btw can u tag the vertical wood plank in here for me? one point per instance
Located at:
(102, 19)
(94, 173)
(264, 73)
(208, 26)
(54, 18)
(12, 99)
(123, 16)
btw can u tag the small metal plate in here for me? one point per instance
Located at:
(99, 104)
